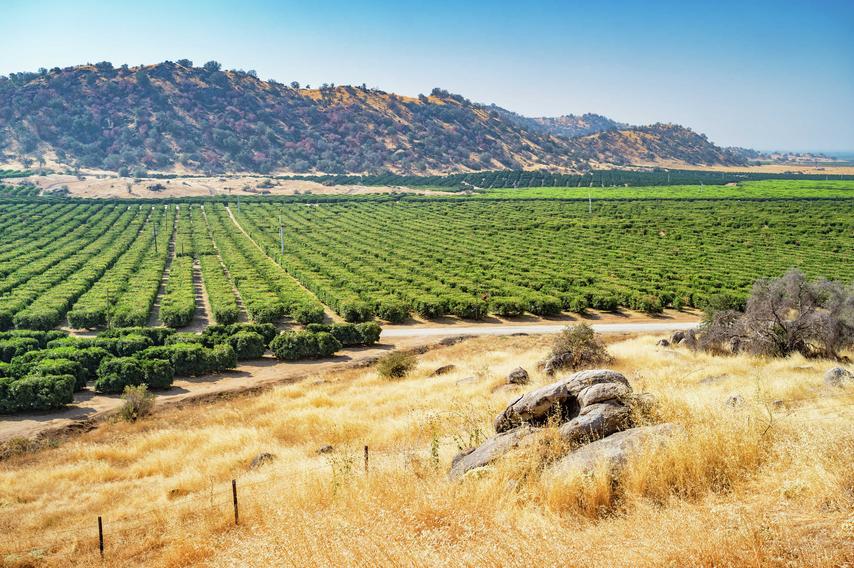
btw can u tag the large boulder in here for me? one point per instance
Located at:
(492, 449)
(564, 399)
(611, 453)
(837, 377)
(585, 406)
(556, 362)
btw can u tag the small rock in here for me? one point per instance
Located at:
(443, 370)
(261, 459)
(467, 380)
(518, 376)
(837, 377)
(735, 401)
(327, 449)
(663, 343)
(453, 340)
(556, 363)
(677, 337)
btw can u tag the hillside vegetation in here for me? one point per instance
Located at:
(208, 119)
(765, 482)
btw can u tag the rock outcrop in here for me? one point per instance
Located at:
(585, 406)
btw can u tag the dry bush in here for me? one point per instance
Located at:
(784, 316)
(577, 347)
(396, 365)
(138, 403)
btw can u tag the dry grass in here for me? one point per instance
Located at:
(733, 491)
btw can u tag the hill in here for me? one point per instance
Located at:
(206, 119)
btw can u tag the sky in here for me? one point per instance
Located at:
(760, 74)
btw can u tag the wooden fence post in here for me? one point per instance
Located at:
(234, 494)
(101, 536)
(366, 460)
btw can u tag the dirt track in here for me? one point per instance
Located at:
(90, 407)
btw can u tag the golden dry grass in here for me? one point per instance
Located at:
(733, 491)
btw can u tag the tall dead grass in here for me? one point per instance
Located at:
(753, 484)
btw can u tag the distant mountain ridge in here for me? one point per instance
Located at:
(205, 119)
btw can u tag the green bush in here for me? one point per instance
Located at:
(396, 365)
(247, 345)
(369, 331)
(117, 373)
(544, 305)
(77, 342)
(157, 373)
(221, 358)
(294, 345)
(392, 310)
(127, 345)
(43, 337)
(467, 308)
(157, 335)
(47, 367)
(307, 313)
(507, 306)
(4, 369)
(14, 346)
(185, 337)
(355, 310)
(86, 318)
(429, 307)
(35, 392)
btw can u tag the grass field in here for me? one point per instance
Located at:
(762, 484)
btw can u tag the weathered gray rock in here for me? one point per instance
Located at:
(677, 337)
(443, 370)
(611, 453)
(261, 459)
(518, 376)
(837, 377)
(562, 399)
(556, 362)
(596, 421)
(663, 343)
(492, 449)
(327, 449)
(587, 406)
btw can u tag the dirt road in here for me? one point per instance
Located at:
(89, 407)
(638, 327)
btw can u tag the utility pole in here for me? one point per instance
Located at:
(589, 202)
(238, 203)
(154, 232)
(281, 237)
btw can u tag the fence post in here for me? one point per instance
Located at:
(234, 494)
(101, 536)
(366, 460)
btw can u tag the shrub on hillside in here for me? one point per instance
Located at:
(350, 334)
(138, 403)
(117, 373)
(577, 347)
(396, 365)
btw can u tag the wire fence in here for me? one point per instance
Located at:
(106, 532)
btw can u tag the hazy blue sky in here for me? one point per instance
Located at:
(763, 74)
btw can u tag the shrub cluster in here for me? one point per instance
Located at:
(293, 345)
(349, 334)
